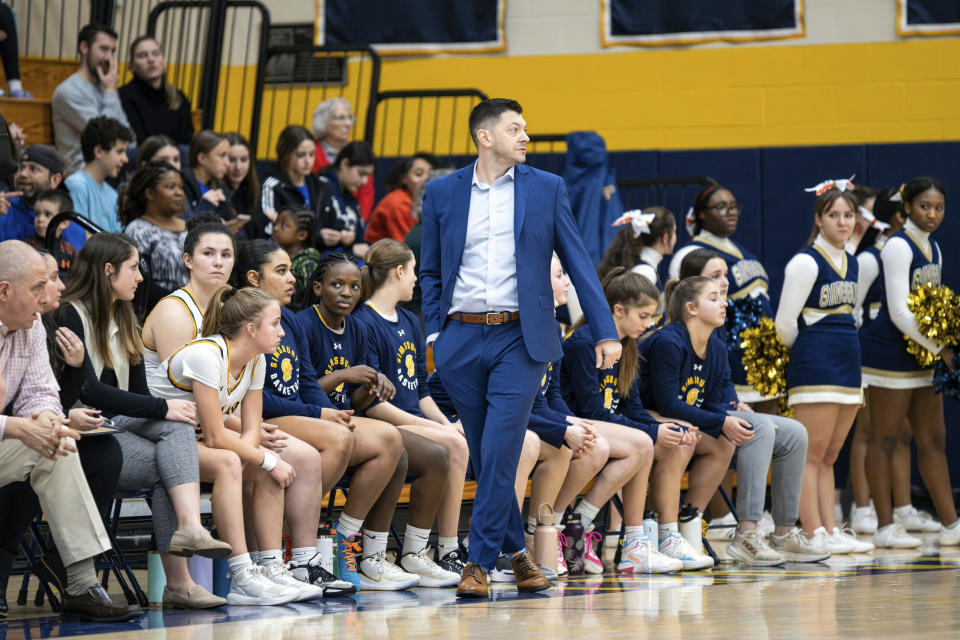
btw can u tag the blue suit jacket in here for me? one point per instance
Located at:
(542, 224)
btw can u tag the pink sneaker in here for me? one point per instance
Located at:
(591, 561)
(561, 563)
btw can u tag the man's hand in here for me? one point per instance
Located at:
(5, 198)
(17, 134)
(608, 353)
(111, 79)
(44, 433)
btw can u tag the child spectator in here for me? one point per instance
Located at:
(46, 207)
(104, 143)
(293, 232)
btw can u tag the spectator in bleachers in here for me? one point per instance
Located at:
(88, 93)
(242, 176)
(153, 105)
(104, 143)
(341, 225)
(203, 179)
(35, 443)
(48, 205)
(333, 122)
(159, 148)
(393, 215)
(152, 209)
(41, 169)
(10, 53)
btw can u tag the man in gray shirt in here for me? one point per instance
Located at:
(88, 93)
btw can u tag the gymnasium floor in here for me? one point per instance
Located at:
(894, 595)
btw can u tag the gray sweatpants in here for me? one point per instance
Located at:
(158, 455)
(784, 441)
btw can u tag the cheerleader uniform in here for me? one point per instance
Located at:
(747, 278)
(591, 393)
(207, 360)
(909, 259)
(649, 266)
(870, 284)
(151, 359)
(395, 347)
(815, 320)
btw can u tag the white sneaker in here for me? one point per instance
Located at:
(722, 528)
(639, 556)
(849, 536)
(832, 543)
(502, 570)
(279, 574)
(561, 563)
(894, 536)
(251, 586)
(919, 521)
(949, 537)
(431, 575)
(863, 519)
(376, 574)
(751, 548)
(795, 546)
(674, 546)
(766, 524)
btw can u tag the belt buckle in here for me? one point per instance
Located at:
(498, 318)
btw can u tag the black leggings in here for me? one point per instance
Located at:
(8, 48)
(101, 460)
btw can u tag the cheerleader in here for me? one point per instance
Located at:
(898, 388)
(710, 222)
(815, 320)
(649, 235)
(222, 372)
(395, 347)
(610, 395)
(337, 349)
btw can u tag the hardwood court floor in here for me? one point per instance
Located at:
(902, 595)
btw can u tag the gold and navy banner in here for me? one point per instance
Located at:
(413, 26)
(928, 17)
(677, 22)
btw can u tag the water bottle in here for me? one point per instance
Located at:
(691, 528)
(651, 527)
(574, 551)
(545, 539)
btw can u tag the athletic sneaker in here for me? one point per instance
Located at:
(349, 550)
(894, 536)
(949, 537)
(674, 546)
(561, 563)
(766, 524)
(640, 557)
(919, 521)
(849, 536)
(722, 528)
(836, 545)
(452, 562)
(752, 548)
(503, 571)
(316, 575)
(278, 574)
(376, 574)
(795, 546)
(431, 575)
(864, 519)
(592, 562)
(251, 586)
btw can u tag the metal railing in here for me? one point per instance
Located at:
(49, 28)
(548, 151)
(676, 194)
(401, 123)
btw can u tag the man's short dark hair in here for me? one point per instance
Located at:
(489, 110)
(89, 33)
(103, 132)
(61, 199)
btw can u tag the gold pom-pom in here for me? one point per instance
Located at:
(765, 359)
(937, 311)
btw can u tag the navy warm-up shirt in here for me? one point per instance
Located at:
(290, 385)
(331, 351)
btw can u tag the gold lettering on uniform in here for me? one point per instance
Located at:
(838, 293)
(746, 270)
(927, 274)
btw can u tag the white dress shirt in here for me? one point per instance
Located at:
(487, 278)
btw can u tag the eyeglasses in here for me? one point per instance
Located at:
(343, 118)
(723, 207)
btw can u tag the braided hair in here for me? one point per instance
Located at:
(307, 297)
(133, 200)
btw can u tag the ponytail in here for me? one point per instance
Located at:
(384, 256)
(680, 292)
(230, 309)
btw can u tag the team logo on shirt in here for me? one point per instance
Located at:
(334, 364)
(407, 365)
(927, 274)
(284, 364)
(608, 388)
(746, 270)
(691, 391)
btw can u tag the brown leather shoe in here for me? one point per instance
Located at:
(529, 578)
(473, 582)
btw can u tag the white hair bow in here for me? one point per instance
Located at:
(638, 221)
(690, 222)
(826, 185)
(872, 219)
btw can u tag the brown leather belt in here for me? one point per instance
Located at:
(501, 317)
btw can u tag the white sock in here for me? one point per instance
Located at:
(374, 542)
(447, 545)
(272, 556)
(667, 529)
(904, 512)
(415, 540)
(347, 526)
(242, 561)
(254, 557)
(531, 525)
(302, 554)
(952, 526)
(14, 85)
(632, 533)
(588, 513)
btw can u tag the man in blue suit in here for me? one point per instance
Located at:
(489, 232)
